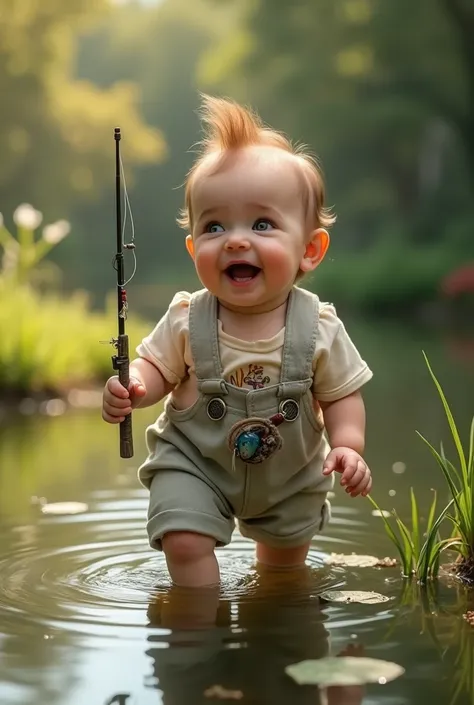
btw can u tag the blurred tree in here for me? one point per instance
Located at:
(157, 48)
(56, 137)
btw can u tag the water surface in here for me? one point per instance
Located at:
(87, 616)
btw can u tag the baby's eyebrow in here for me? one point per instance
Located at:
(212, 211)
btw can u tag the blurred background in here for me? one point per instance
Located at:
(381, 91)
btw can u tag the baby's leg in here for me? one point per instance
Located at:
(191, 559)
(282, 557)
(283, 534)
(187, 518)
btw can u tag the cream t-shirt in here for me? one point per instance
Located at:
(338, 367)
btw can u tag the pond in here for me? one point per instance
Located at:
(87, 616)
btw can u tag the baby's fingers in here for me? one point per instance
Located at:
(362, 487)
(116, 388)
(351, 465)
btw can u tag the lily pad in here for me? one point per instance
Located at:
(64, 508)
(344, 670)
(355, 561)
(347, 596)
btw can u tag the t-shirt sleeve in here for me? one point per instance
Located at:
(167, 346)
(338, 368)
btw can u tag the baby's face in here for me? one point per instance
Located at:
(249, 231)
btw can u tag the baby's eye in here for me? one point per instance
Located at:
(214, 228)
(263, 224)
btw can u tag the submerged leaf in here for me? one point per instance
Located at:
(344, 670)
(367, 598)
(64, 508)
(351, 560)
(354, 561)
(221, 693)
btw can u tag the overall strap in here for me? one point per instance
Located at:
(301, 328)
(204, 342)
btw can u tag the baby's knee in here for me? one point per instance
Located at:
(187, 546)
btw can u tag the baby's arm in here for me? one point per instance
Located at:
(345, 422)
(147, 387)
(345, 425)
(150, 377)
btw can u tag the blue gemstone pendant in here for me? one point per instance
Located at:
(246, 444)
(254, 440)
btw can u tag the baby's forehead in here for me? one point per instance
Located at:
(269, 170)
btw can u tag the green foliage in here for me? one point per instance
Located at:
(386, 277)
(56, 131)
(419, 554)
(53, 343)
(460, 479)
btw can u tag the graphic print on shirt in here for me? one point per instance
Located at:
(254, 378)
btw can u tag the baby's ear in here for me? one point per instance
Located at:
(190, 245)
(315, 250)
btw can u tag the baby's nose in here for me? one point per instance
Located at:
(237, 241)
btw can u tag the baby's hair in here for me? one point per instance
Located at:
(229, 126)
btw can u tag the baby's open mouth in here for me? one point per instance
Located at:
(242, 272)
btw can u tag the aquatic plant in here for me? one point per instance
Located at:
(460, 481)
(422, 559)
(419, 551)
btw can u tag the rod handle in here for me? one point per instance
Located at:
(122, 364)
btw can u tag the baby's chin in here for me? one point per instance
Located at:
(251, 302)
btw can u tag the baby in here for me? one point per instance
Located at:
(262, 381)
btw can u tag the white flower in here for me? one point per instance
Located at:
(25, 216)
(55, 232)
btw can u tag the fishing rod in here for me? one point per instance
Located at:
(121, 360)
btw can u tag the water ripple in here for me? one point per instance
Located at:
(98, 574)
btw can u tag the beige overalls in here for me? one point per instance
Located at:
(198, 484)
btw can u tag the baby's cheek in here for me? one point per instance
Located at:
(280, 260)
(205, 261)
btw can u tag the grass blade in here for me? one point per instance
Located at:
(470, 470)
(415, 524)
(431, 513)
(430, 539)
(392, 536)
(454, 489)
(410, 557)
(451, 421)
(470, 462)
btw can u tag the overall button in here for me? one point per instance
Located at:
(216, 409)
(290, 409)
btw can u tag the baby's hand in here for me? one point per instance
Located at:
(356, 476)
(117, 402)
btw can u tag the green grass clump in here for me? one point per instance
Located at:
(419, 557)
(419, 552)
(51, 343)
(460, 479)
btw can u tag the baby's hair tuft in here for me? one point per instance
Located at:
(229, 126)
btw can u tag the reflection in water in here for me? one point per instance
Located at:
(243, 646)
